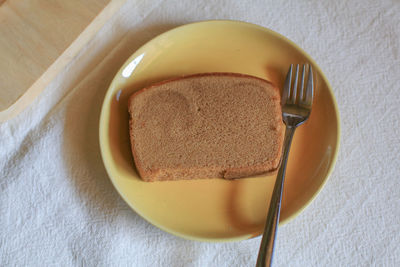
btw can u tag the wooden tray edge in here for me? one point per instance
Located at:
(72, 50)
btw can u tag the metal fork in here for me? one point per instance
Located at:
(296, 108)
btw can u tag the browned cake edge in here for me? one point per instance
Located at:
(201, 172)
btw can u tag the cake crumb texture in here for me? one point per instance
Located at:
(211, 125)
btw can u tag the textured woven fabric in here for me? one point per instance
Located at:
(57, 204)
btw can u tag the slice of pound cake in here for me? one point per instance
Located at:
(207, 125)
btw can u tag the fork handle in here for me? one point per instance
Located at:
(266, 251)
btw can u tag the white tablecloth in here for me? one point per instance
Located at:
(58, 207)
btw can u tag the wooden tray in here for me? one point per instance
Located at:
(37, 40)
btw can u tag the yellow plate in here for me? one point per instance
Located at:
(216, 209)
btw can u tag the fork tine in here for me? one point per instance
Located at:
(310, 88)
(296, 79)
(286, 87)
(303, 73)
